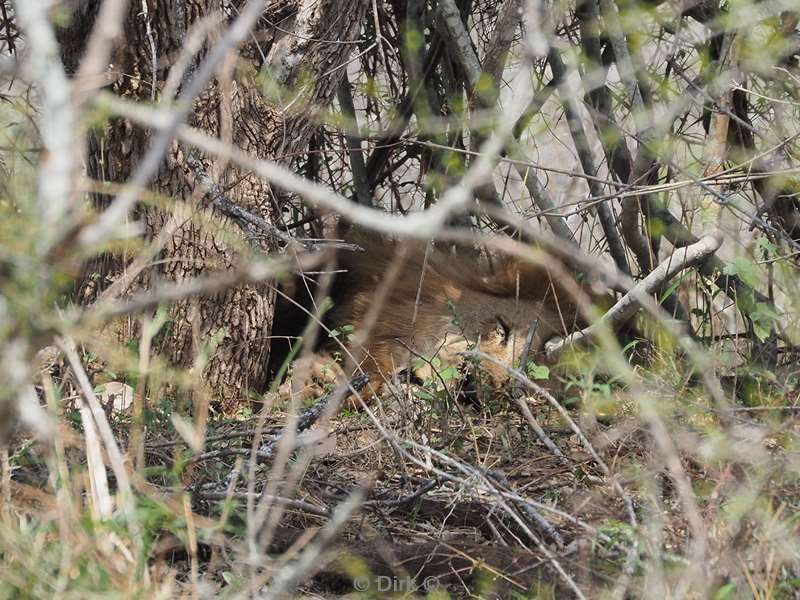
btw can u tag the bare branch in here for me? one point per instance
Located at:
(469, 62)
(581, 142)
(357, 166)
(423, 225)
(452, 29)
(715, 150)
(56, 167)
(628, 304)
(508, 19)
(289, 576)
(248, 272)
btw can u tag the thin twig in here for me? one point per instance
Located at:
(290, 575)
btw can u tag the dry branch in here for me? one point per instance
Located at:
(57, 166)
(360, 180)
(505, 28)
(308, 562)
(582, 147)
(108, 29)
(626, 306)
(421, 225)
(452, 29)
(469, 61)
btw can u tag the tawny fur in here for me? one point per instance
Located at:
(442, 305)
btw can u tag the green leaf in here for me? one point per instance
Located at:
(656, 227)
(448, 374)
(603, 388)
(767, 246)
(538, 371)
(414, 40)
(763, 317)
(344, 329)
(485, 87)
(668, 292)
(425, 395)
(745, 269)
(726, 591)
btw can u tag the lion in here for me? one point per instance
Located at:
(401, 305)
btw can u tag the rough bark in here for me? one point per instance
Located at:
(300, 43)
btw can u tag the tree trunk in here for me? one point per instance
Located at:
(300, 43)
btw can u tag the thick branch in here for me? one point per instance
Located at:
(394, 132)
(612, 138)
(715, 150)
(57, 121)
(604, 211)
(452, 29)
(423, 225)
(248, 272)
(468, 60)
(494, 61)
(629, 303)
(354, 150)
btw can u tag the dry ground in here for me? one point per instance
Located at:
(458, 498)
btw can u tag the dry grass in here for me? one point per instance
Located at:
(465, 496)
(662, 469)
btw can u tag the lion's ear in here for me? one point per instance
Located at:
(520, 275)
(513, 276)
(495, 284)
